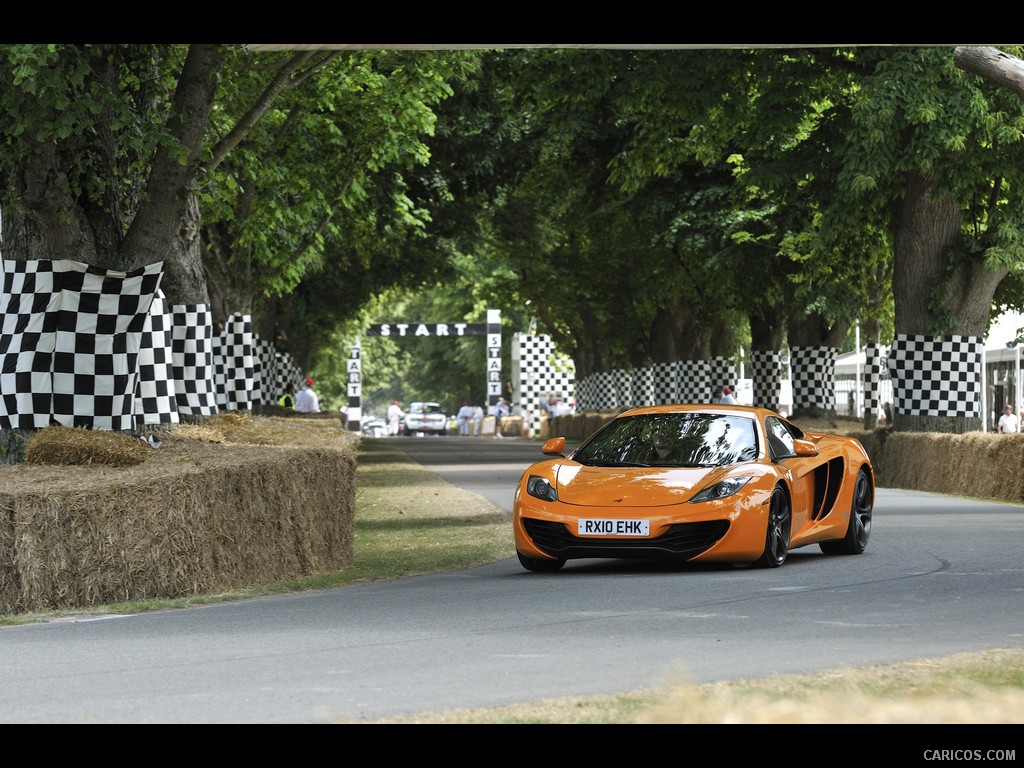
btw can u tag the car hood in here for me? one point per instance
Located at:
(629, 486)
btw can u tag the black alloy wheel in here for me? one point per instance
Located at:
(780, 520)
(859, 529)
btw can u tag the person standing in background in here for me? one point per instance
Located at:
(463, 416)
(478, 419)
(500, 412)
(1008, 423)
(727, 396)
(306, 400)
(395, 415)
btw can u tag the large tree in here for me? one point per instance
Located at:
(932, 153)
(103, 145)
(243, 173)
(887, 147)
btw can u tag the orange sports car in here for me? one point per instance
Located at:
(700, 483)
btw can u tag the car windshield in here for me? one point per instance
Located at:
(426, 408)
(671, 440)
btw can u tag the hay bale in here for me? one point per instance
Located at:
(201, 515)
(78, 446)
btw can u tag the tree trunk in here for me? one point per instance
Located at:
(813, 347)
(943, 298)
(767, 330)
(184, 279)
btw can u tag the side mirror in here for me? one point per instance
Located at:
(554, 447)
(804, 448)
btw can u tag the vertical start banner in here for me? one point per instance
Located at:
(493, 357)
(355, 388)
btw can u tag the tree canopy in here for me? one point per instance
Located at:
(642, 205)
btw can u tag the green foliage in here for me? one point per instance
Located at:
(317, 185)
(96, 113)
(635, 199)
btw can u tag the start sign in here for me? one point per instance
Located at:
(427, 329)
(491, 329)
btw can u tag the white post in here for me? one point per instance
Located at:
(984, 385)
(1016, 377)
(860, 383)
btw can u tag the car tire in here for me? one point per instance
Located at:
(776, 540)
(859, 529)
(539, 565)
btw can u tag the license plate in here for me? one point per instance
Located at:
(613, 527)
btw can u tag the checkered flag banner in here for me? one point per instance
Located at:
(537, 373)
(288, 378)
(154, 394)
(236, 360)
(70, 336)
(696, 381)
(265, 367)
(767, 376)
(192, 359)
(936, 375)
(873, 355)
(814, 377)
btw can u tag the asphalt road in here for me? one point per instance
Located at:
(941, 575)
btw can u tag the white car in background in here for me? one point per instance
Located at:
(375, 428)
(428, 418)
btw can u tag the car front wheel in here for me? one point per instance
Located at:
(539, 565)
(776, 543)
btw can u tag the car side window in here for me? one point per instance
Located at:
(780, 440)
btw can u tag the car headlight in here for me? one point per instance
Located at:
(540, 488)
(721, 490)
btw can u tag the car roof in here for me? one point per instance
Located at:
(715, 408)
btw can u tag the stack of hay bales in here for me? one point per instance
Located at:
(94, 518)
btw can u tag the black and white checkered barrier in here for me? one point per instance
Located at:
(873, 354)
(288, 378)
(265, 363)
(154, 393)
(696, 381)
(192, 359)
(935, 375)
(814, 377)
(600, 392)
(666, 386)
(537, 375)
(766, 372)
(235, 364)
(663, 383)
(85, 346)
(69, 343)
(723, 373)
(623, 387)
